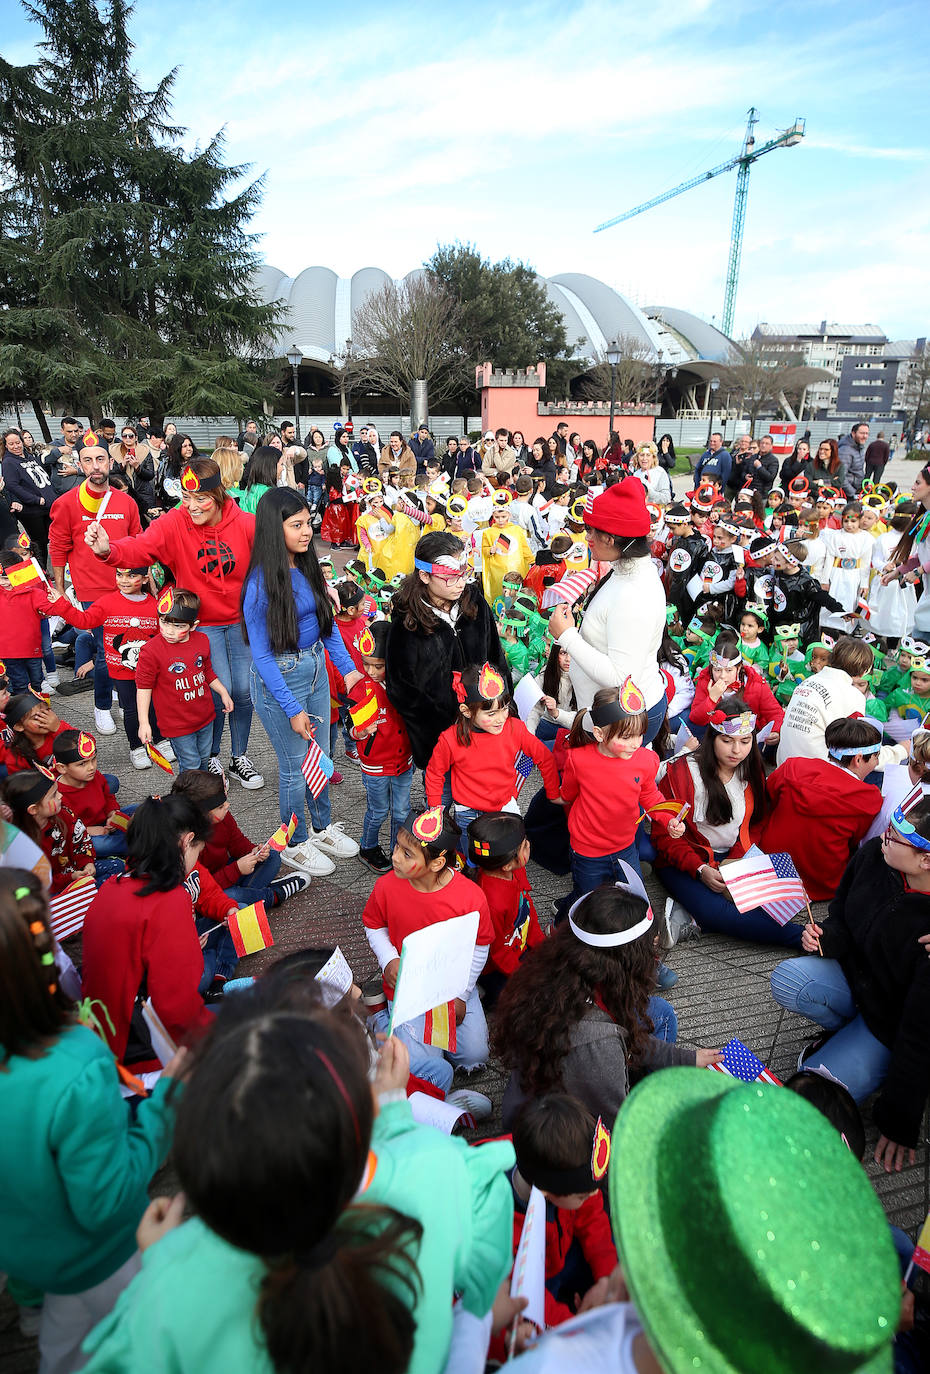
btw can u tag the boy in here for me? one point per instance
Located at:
(23, 602)
(499, 850)
(836, 691)
(383, 749)
(86, 791)
(175, 670)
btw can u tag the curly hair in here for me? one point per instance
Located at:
(564, 972)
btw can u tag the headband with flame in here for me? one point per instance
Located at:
(432, 827)
(630, 702)
(366, 644)
(168, 608)
(90, 440)
(584, 1178)
(737, 727)
(78, 751)
(489, 687)
(2, 669)
(41, 785)
(190, 482)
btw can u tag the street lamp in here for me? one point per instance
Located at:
(714, 385)
(613, 358)
(294, 356)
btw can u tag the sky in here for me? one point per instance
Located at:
(384, 129)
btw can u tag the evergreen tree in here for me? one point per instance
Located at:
(125, 261)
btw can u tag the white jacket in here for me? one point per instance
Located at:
(825, 696)
(620, 634)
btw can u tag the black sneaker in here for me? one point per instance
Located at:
(77, 684)
(375, 859)
(241, 769)
(288, 887)
(214, 992)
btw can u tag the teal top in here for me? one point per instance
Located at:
(191, 1310)
(74, 1167)
(251, 497)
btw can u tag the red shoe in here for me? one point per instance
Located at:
(335, 779)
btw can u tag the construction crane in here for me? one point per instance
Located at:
(744, 159)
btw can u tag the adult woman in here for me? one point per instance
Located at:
(913, 551)
(133, 458)
(795, 463)
(599, 970)
(654, 478)
(722, 783)
(542, 463)
(28, 484)
(573, 450)
(264, 469)
(518, 444)
(340, 450)
(206, 541)
(666, 453)
(180, 449)
(171, 430)
(230, 462)
(440, 624)
(397, 453)
(826, 469)
(316, 449)
(625, 616)
(287, 622)
(866, 980)
(590, 459)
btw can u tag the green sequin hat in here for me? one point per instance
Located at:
(750, 1236)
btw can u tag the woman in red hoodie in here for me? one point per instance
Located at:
(206, 542)
(726, 674)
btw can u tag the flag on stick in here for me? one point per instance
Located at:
(570, 589)
(67, 910)
(250, 930)
(769, 881)
(21, 573)
(740, 1062)
(120, 821)
(439, 1027)
(157, 757)
(283, 835)
(317, 769)
(522, 768)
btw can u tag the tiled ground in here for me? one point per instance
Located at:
(722, 989)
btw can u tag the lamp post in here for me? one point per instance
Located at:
(613, 358)
(713, 386)
(294, 356)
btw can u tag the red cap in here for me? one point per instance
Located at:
(621, 510)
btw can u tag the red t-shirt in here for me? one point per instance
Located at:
(17, 762)
(177, 676)
(513, 915)
(92, 803)
(606, 796)
(396, 906)
(483, 776)
(90, 576)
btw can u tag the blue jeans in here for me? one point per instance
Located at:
(588, 873)
(383, 795)
(654, 718)
(253, 887)
(107, 868)
(102, 690)
(664, 1020)
(193, 751)
(437, 1066)
(219, 953)
(231, 658)
(24, 673)
(48, 658)
(125, 689)
(306, 676)
(816, 988)
(714, 912)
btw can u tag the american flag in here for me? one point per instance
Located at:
(67, 911)
(317, 769)
(522, 768)
(571, 588)
(740, 1062)
(767, 880)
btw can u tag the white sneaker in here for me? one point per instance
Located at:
(308, 859)
(52, 679)
(214, 766)
(104, 722)
(165, 748)
(478, 1106)
(334, 842)
(139, 758)
(46, 687)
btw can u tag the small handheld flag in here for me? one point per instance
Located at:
(119, 820)
(21, 573)
(317, 769)
(67, 910)
(88, 499)
(439, 1028)
(249, 930)
(920, 1283)
(157, 757)
(362, 713)
(740, 1062)
(522, 768)
(283, 835)
(767, 880)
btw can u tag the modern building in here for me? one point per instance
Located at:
(828, 346)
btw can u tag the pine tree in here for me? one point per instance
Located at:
(125, 261)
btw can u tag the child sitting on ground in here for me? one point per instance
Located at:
(33, 727)
(87, 792)
(36, 809)
(500, 851)
(727, 673)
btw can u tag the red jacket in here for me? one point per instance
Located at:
(225, 844)
(504, 901)
(386, 753)
(483, 775)
(129, 939)
(820, 813)
(351, 631)
(90, 576)
(211, 560)
(755, 691)
(127, 626)
(208, 897)
(692, 850)
(22, 609)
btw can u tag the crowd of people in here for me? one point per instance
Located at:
(701, 677)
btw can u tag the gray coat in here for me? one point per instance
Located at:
(853, 456)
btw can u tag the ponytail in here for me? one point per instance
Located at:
(33, 1008)
(152, 840)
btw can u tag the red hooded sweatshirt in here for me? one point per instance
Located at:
(820, 813)
(211, 560)
(754, 690)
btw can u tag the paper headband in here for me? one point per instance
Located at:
(168, 608)
(190, 482)
(633, 885)
(903, 826)
(445, 565)
(759, 611)
(41, 785)
(431, 827)
(563, 1182)
(490, 686)
(851, 753)
(372, 486)
(82, 749)
(721, 660)
(456, 506)
(492, 849)
(737, 727)
(502, 497)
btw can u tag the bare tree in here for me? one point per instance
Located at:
(634, 374)
(403, 334)
(761, 378)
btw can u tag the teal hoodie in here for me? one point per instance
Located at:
(74, 1167)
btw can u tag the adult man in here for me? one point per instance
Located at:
(876, 456)
(423, 447)
(62, 456)
(759, 468)
(90, 576)
(249, 437)
(714, 464)
(106, 433)
(560, 435)
(365, 450)
(852, 452)
(499, 457)
(739, 453)
(467, 461)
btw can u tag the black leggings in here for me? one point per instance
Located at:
(125, 689)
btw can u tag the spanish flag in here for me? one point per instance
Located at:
(362, 713)
(283, 835)
(439, 1027)
(21, 573)
(249, 930)
(157, 757)
(88, 500)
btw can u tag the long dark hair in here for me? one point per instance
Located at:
(33, 1008)
(15, 791)
(719, 808)
(564, 972)
(671, 446)
(263, 467)
(269, 561)
(274, 1173)
(152, 840)
(552, 678)
(411, 604)
(175, 461)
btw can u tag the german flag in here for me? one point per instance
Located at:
(250, 930)
(439, 1027)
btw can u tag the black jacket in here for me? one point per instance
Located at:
(872, 931)
(803, 600)
(420, 667)
(762, 478)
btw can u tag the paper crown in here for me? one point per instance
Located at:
(721, 660)
(578, 510)
(366, 643)
(372, 486)
(737, 727)
(456, 506)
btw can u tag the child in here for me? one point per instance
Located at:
(898, 667)
(727, 673)
(503, 548)
(500, 851)
(838, 690)
(374, 524)
(383, 749)
(796, 598)
(752, 623)
(846, 570)
(893, 604)
(820, 811)
(899, 779)
(786, 663)
(557, 707)
(482, 749)
(609, 779)
(74, 1164)
(817, 656)
(350, 618)
(36, 809)
(246, 872)
(33, 726)
(129, 619)
(422, 889)
(909, 704)
(514, 633)
(338, 524)
(680, 689)
(175, 670)
(22, 606)
(86, 791)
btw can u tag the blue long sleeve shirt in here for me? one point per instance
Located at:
(714, 465)
(255, 612)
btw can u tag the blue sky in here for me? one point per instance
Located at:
(386, 129)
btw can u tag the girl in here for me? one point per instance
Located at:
(726, 672)
(32, 727)
(139, 937)
(422, 889)
(338, 525)
(179, 451)
(503, 548)
(483, 747)
(557, 707)
(608, 779)
(846, 569)
(865, 979)
(680, 688)
(264, 469)
(911, 556)
(722, 782)
(74, 1165)
(206, 542)
(287, 622)
(383, 749)
(752, 623)
(36, 809)
(375, 523)
(22, 607)
(893, 603)
(910, 702)
(598, 968)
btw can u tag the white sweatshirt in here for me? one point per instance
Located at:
(825, 696)
(620, 635)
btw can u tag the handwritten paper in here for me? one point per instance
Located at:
(336, 973)
(529, 1267)
(435, 964)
